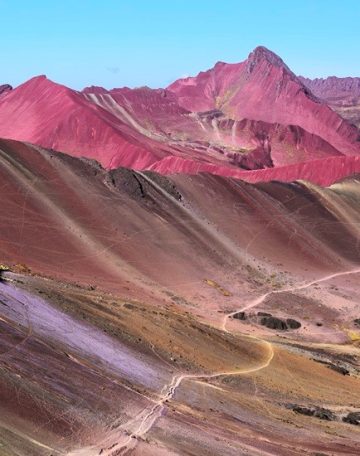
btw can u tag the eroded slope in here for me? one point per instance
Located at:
(145, 314)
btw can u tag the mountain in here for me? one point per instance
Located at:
(254, 115)
(342, 94)
(177, 278)
(54, 116)
(336, 90)
(264, 88)
(173, 315)
(96, 219)
(138, 128)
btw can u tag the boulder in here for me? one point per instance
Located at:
(274, 323)
(240, 316)
(293, 324)
(303, 410)
(324, 414)
(317, 412)
(352, 418)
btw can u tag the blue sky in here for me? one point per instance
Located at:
(114, 43)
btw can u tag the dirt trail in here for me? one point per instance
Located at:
(262, 298)
(140, 425)
(147, 419)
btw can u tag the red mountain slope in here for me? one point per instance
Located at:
(321, 172)
(263, 88)
(53, 116)
(245, 116)
(137, 128)
(333, 89)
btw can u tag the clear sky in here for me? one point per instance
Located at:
(114, 43)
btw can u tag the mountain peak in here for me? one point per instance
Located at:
(41, 84)
(261, 53)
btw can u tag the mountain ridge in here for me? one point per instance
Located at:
(251, 115)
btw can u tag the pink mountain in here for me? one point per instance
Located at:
(235, 117)
(53, 116)
(334, 89)
(264, 88)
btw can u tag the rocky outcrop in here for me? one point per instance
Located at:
(324, 414)
(4, 89)
(303, 410)
(240, 316)
(268, 320)
(274, 323)
(293, 324)
(352, 418)
(316, 412)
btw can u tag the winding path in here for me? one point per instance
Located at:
(262, 298)
(148, 417)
